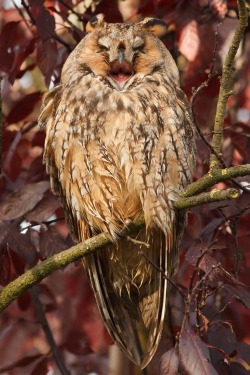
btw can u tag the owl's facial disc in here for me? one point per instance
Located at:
(121, 72)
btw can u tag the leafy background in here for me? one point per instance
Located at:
(211, 325)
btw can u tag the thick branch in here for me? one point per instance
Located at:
(225, 84)
(214, 177)
(58, 261)
(212, 196)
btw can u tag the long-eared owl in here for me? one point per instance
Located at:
(120, 145)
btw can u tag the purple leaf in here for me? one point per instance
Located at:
(169, 363)
(194, 355)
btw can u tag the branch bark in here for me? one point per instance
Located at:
(191, 196)
(225, 85)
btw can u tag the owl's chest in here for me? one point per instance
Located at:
(125, 119)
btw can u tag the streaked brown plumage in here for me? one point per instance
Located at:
(119, 145)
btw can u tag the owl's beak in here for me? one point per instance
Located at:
(121, 55)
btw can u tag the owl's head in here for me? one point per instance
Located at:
(123, 54)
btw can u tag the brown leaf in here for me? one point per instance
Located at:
(222, 336)
(169, 363)
(194, 355)
(21, 244)
(44, 209)
(23, 200)
(50, 242)
(241, 292)
(194, 252)
(208, 231)
(243, 350)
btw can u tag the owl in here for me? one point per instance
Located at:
(120, 145)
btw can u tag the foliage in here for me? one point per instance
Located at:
(208, 330)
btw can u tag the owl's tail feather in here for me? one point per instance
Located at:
(131, 291)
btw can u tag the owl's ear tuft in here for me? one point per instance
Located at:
(95, 22)
(155, 26)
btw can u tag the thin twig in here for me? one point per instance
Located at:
(62, 42)
(48, 222)
(191, 295)
(78, 15)
(139, 243)
(27, 8)
(1, 124)
(46, 328)
(162, 273)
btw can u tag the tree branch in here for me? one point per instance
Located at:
(58, 261)
(214, 195)
(212, 178)
(225, 85)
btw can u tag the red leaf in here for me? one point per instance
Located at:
(194, 355)
(24, 301)
(18, 262)
(169, 363)
(76, 343)
(16, 43)
(21, 362)
(111, 12)
(41, 367)
(47, 58)
(45, 22)
(39, 138)
(23, 107)
(7, 52)
(4, 267)
(20, 56)
(23, 200)
(64, 7)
